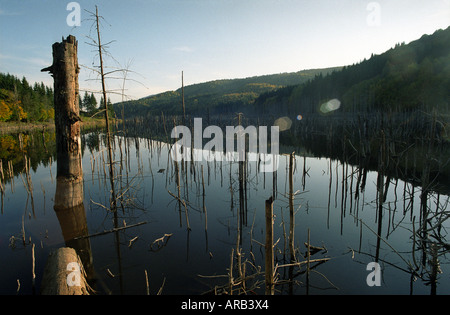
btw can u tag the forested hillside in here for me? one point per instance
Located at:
(21, 101)
(216, 97)
(405, 78)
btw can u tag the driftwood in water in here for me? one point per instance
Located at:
(64, 274)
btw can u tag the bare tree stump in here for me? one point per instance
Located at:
(67, 110)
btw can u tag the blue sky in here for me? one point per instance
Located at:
(210, 39)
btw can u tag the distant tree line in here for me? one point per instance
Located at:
(89, 105)
(215, 97)
(21, 101)
(407, 78)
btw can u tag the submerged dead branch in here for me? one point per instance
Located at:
(160, 242)
(111, 230)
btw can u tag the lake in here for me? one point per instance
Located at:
(186, 238)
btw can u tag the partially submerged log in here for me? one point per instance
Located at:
(64, 274)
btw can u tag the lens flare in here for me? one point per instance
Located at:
(284, 123)
(330, 106)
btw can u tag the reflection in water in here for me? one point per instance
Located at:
(69, 194)
(70, 211)
(356, 214)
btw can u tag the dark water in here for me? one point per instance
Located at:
(194, 253)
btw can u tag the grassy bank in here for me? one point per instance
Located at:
(11, 127)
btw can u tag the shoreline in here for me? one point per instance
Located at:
(12, 127)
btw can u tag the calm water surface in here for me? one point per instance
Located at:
(196, 243)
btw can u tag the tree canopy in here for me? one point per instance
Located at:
(21, 101)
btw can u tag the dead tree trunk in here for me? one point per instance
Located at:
(67, 121)
(269, 248)
(105, 105)
(69, 196)
(182, 99)
(69, 188)
(291, 206)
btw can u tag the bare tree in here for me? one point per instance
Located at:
(108, 73)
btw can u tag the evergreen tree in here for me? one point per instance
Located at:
(110, 108)
(93, 104)
(85, 102)
(89, 103)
